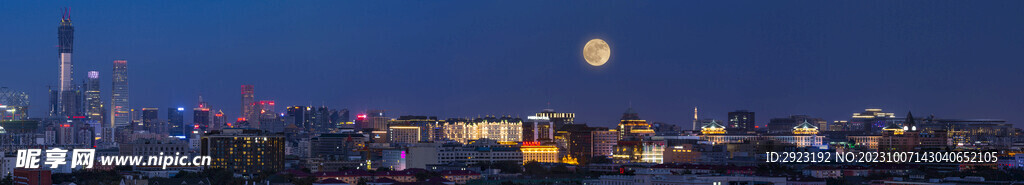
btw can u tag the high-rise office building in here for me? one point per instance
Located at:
(200, 119)
(297, 115)
(268, 118)
(249, 105)
(176, 117)
(741, 119)
(321, 120)
(65, 43)
(343, 121)
(94, 104)
(120, 110)
(150, 119)
(376, 120)
(219, 121)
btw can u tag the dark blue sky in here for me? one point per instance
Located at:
(953, 59)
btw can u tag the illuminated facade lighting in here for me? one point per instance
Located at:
(498, 129)
(539, 153)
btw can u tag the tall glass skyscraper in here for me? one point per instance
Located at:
(94, 104)
(119, 96)
(176, 121)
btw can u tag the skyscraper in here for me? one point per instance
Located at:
(296, 115)
(266, 117)
(201, 119)
(150, 119)
(219, 121)
(376, 120)
(94, 104)
(120, 110)
(249, 105)
(176, 120)
(65, 42)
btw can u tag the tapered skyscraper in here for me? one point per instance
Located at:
(120, 111)
(67, 97)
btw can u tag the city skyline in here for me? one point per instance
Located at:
(775, 74)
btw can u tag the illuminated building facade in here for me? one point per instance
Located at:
(376, 120)
(798, 140)
(404, 134)
(200, 119)
(150, 119)
(805, 128)
(869, 142)
(429, 128)
(504, 129)
(538, 129)
(94, 104)
(639, 152)
(741, 119)
(483, 150)
(540, 152)
(120, 111)
(682, 153)
(871, 121)
(631, 127)
(244, 151)
(557, 119)
(603, 141)
(712, 128)
(176, 116)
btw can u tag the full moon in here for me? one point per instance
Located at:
(596, 52)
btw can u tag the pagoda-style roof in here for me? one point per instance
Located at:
(712, 124)
(805, 125)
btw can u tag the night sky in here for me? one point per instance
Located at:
(951, 59)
